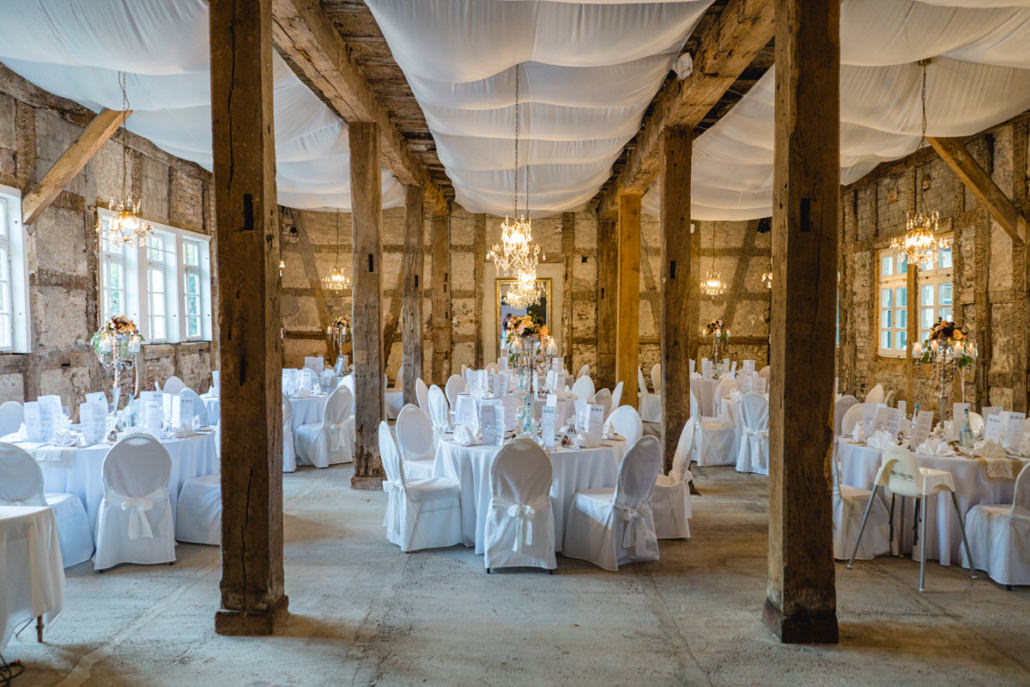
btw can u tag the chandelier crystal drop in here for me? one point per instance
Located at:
(126, 228)
(336, 280)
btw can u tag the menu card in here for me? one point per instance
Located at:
(547, 422)
(921, 427)
(182, 412)
(93, 418)
(49, 415)
(491, 423)
(152, 418)
(500, 385)
(1013, 430)
(33, 428)
(749, 367)
(596, 422)
(99, 397)
(994, 428)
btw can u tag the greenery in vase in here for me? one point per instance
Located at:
(949, 340)
(118, 327)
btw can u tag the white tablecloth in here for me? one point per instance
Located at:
(213, 404)
(572, 470)
(309, 410)
(194, 456)
(31, 571)
(943, 537)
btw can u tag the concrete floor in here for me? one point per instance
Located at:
(364, 613)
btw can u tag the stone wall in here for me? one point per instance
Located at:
(36, 128)
(989, 273)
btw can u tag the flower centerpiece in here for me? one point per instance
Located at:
(340, 333)
(116, 345)
(946, 348)
(522, 337)
(720, 335)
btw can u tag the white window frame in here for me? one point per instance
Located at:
(16, 300)
(137, 272)
(937, 276)
(896, 280)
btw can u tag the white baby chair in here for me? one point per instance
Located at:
(135, 523)
(173, 385)
(840, 407)
(753, 454)
(455, 385)
(625, 420)
(439, 410)
(656, 378)
(330, 441)
(289, 453)
(671, 497)
(1001, 536)
(12, 414)
(415, 440)
(612, 527)
(616, 397)
(519, 530)
(21, 484)
(715, 440)
(875, 394)
(420, 514)
(198, 512)
(602, 398)
(422, 394)
(903, 476)
(848, 502)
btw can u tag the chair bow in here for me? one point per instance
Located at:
(337, 435)
(524, 514)
(137, 506)
(635, 529)
(394, 493)
(760, 433)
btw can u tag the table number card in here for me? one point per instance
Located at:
(994, 428)
(547, 420)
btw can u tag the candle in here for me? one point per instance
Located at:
(134, 344)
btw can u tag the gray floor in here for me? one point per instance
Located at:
(364, 613)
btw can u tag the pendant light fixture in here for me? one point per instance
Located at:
(336, 280)
(126, 228)
(713, 285)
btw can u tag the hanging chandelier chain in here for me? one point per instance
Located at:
(922, 100)
(517, 131)
(125, 163)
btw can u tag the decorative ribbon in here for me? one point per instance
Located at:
(760, 433)
(523, 513)
(394, 493)
(635, 529)
(337, 435)
(31, 500)
(137, 506)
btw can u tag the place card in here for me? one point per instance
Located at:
(994, 428)
(33, 428)
(547, 423)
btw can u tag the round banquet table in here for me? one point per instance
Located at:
(31, 571)
(193, 456)
(573, 470)
(308, 410)
(860, 463)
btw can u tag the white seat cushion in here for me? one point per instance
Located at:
(595, 503)
(419, 469)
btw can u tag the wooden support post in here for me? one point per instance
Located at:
(912, 331)
(366, 224)
(568, 249)
(411, 305)
(627, 319)
(607, 297)
(676, 279)
(250, 354)
(801, 604)
(71, 163)
(479, 255)
(441, 256)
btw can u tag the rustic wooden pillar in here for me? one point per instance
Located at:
(441, 256)
(367, 320)
(675, 285)
(801, 604)
(568, 250)
(607, 296)
(253, 602)
(912, 332)
(411, 303)
(479, 255)
(627, 328)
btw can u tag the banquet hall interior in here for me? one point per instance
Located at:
(514, 342)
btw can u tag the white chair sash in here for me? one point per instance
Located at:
(760, 433)
(137, 506)
(394, 493)
(635, 529)
(337, 436)
(524, 513)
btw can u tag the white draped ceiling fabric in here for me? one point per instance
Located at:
(75, 49)
(589, 72)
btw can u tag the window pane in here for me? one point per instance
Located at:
(902, 318)
(901, 342)
(945, 314)
(885, 298)
(885, 339)
(157, 280)
(885, 319)
(192, 254)
(157, 305)
(901, 297)
(192, 283)
(902, 264)
(927, 319)
(192, 327)
(944, 291)
(158, 332)
(944, 258)
(886, 266)
(192, 307)
(114, 275)
(926, 294)
(116, 302)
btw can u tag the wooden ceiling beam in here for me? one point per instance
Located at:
(726, 49)
(314, 49)
(953, 152)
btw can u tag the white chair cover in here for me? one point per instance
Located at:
(584, 390)
(641, 384)
(716, 439)
(289, 453)
(455, 385)
(173, 385)
(722, 392)
(416, 442)
(135, 520)
(841, 406)
(422, 394)
(875, 394)
(656, 378)
(199, 407)
(617, 396)
(671, 497)
(602, 398)
(198, 512)
(851, 417)
(21, 484)
(315, 363)
(331, 441)
(753, 454)
(626, 421)
(583, 371)
(519, 529)
(12, 414)
(999, 536)
(765, 373)
(612, 527)
(439, 410)
(420, 514)
(848, 505)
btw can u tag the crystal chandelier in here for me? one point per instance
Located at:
(517, 254)
(919, 242)
(713, 285)
(336, 280)
(526, 292)
(126, 228)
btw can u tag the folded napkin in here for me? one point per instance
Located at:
(859, 433)
(302, 393)
(184, 430)
(935, 447)
(463, 435)
(880, 439)
(989, 449)
(54, 456)
(584, 440)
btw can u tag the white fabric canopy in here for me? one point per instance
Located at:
(75, 50)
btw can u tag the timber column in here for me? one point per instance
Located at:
(627, 325)
(801, 604)
(411, 299)
(366, 224)
(607, 295)
(441, 294)
(250, 353)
